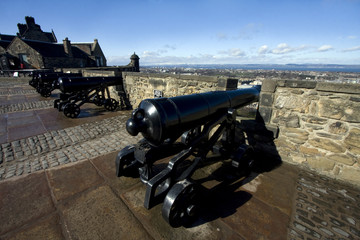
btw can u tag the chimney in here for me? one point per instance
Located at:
(29, 20)
(67, 47)
(94, 45)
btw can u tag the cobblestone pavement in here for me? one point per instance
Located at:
(324, 209)
(64, 146)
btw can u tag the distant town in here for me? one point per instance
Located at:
(245, 73)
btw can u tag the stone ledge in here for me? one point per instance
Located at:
(338, 87)
(298, 84)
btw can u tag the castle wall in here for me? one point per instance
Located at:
(319, 125)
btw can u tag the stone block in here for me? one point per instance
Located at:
(269, 85)
(296, 135)
(313, 119)
(327, 144)
(352, 141)
(264, 114)
(266, 99)
(292, 102)
(308, 150)
(339, 109)
(300, 84)
(281, 142)
(321, 163)
(344, 159)
(350, 174)
(227, 84)
(338, 87)
(286, 119)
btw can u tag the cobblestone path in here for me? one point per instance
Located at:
(26, 106)
(17, 88)
(324, 209)
(64, 146)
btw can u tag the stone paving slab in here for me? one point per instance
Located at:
(99, 214)
(71, 179)
(24, 200)
(47, 228)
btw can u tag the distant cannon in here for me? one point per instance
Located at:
(77, 91)
(46, 82)
(200, 121)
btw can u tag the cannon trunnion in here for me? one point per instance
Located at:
(184, 129)
(77, 91)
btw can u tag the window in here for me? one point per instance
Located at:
(23, 58)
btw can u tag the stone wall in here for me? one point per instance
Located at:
(319, 125)
(139, 86)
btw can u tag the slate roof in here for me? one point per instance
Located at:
(4, 43)
(53, 49)
(7, 37)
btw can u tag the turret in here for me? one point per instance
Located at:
(135, 62)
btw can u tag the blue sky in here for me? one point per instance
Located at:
(201, 31)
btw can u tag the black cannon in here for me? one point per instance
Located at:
(184, 129)
(35, 74)
(77, 91)
(46, 82)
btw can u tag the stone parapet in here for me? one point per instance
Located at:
(319, 125)
(139, 86)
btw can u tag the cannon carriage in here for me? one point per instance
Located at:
(184, 129)
(76, 91)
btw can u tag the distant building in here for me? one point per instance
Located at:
(35, 49)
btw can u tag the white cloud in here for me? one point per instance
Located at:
(263, 49)
(284, 48)
(233, 52)
(150, 54)
(357, 48)
(325, 48)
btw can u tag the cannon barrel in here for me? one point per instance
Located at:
(167, 118)
(50, 77)
(76, 84)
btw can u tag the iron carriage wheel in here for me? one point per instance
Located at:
(71, 110)
(111, 104)
(180, 204)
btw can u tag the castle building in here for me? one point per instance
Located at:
(32, 48)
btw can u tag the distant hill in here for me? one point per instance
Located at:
(290, 67)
